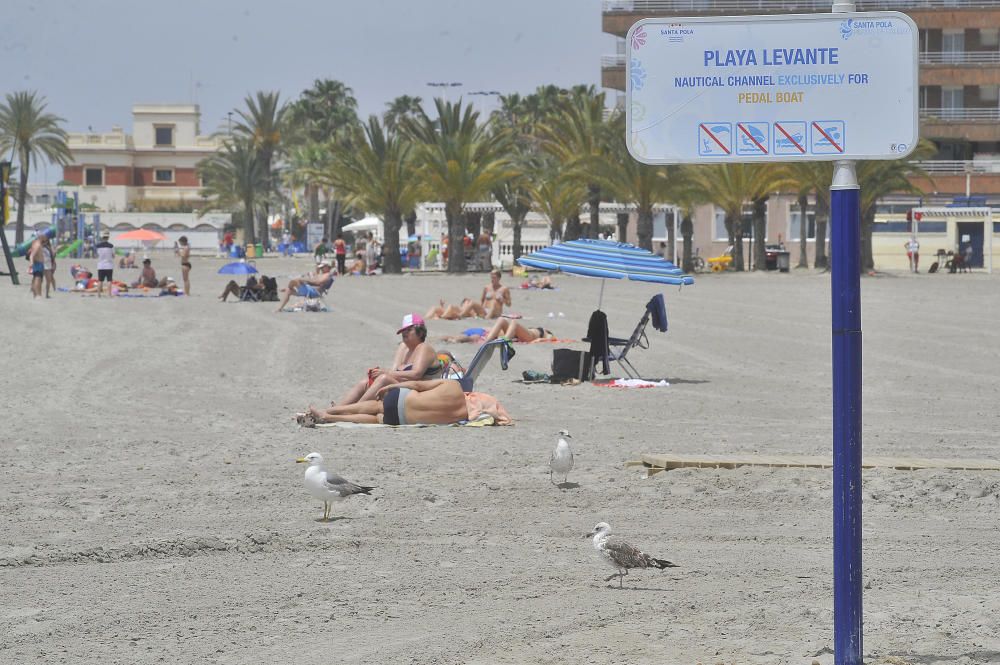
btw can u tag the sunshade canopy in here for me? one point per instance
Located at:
(141, 234)
(606, 259)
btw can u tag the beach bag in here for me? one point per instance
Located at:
(571, 364)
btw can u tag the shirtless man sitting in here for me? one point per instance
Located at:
(310, 285)
(414, 356)
(436, 402)
(147, 278)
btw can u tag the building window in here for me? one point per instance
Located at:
(163, 175)
(953, 45)
(164, 136)
(952, 101)
(719, 232)
(794, 217)
(93, 177)
(719, 226)
(989, 37)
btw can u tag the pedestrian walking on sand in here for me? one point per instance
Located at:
(49, 259)
(37, 257)
(184, 251)
(105, 264)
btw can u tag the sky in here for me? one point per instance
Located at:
(94, 59)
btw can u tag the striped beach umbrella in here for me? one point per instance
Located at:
(606, 259)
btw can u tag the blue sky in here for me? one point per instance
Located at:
(94, 59)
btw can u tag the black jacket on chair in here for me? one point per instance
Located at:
(597, 333)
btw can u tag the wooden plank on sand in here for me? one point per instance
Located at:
(662, 461)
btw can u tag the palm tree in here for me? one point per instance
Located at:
(687, 194)
(579, 136)
(557, 197)
(810, 178)
(321, 112)
(30, 133)
(307, 167)
(376, 173)
(731, 186)
(401, 107)
(235, 178)
(877, 178)
(263, 122)
(636, 183)
(458, 161)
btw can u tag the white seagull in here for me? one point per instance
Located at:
(328, 487)
(561, 460)
(621, 555)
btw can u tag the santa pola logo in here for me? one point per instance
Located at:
(852, 26)
(676, 32)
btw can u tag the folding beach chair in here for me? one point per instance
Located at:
(467, 376)
(248, 292)
(618, 347)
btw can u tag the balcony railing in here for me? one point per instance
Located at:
(929, 113)
(960, 58)
(612, 61)
(694, 6)
(959, 166)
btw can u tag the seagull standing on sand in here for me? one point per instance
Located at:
(621, 555)
(328, 487)
(562, 457)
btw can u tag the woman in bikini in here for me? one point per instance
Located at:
(437, 402)
(184, 251)
(414, 357)
(490, 306)
(502, 328)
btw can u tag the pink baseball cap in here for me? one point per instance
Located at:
(411, 320)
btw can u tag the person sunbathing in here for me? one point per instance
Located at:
(147, 278)
(234, 289)
(536, 282)
(508, 328)
(309, 286)
(127, 261)
(491, 303)
(414, 358)
(436, 402)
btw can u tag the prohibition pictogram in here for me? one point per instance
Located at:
(715, 138)
(789, 137)
(827, 137)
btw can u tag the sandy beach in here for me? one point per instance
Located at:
(152, 510)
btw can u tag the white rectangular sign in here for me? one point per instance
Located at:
(804, 87)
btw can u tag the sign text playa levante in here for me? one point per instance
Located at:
(772, 88)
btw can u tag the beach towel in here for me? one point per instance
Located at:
(631, 383)
(483, 420)
(481, 403)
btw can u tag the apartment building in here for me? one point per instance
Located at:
(959, 109)
(151, 170)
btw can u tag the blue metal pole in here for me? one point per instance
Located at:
(845, 253)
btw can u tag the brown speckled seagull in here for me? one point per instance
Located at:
(621, 555)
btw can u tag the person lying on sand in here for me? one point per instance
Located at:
(491, 303)
(437, 402)
(502, 328)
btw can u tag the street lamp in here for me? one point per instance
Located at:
(445, 85)
(486, 93)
